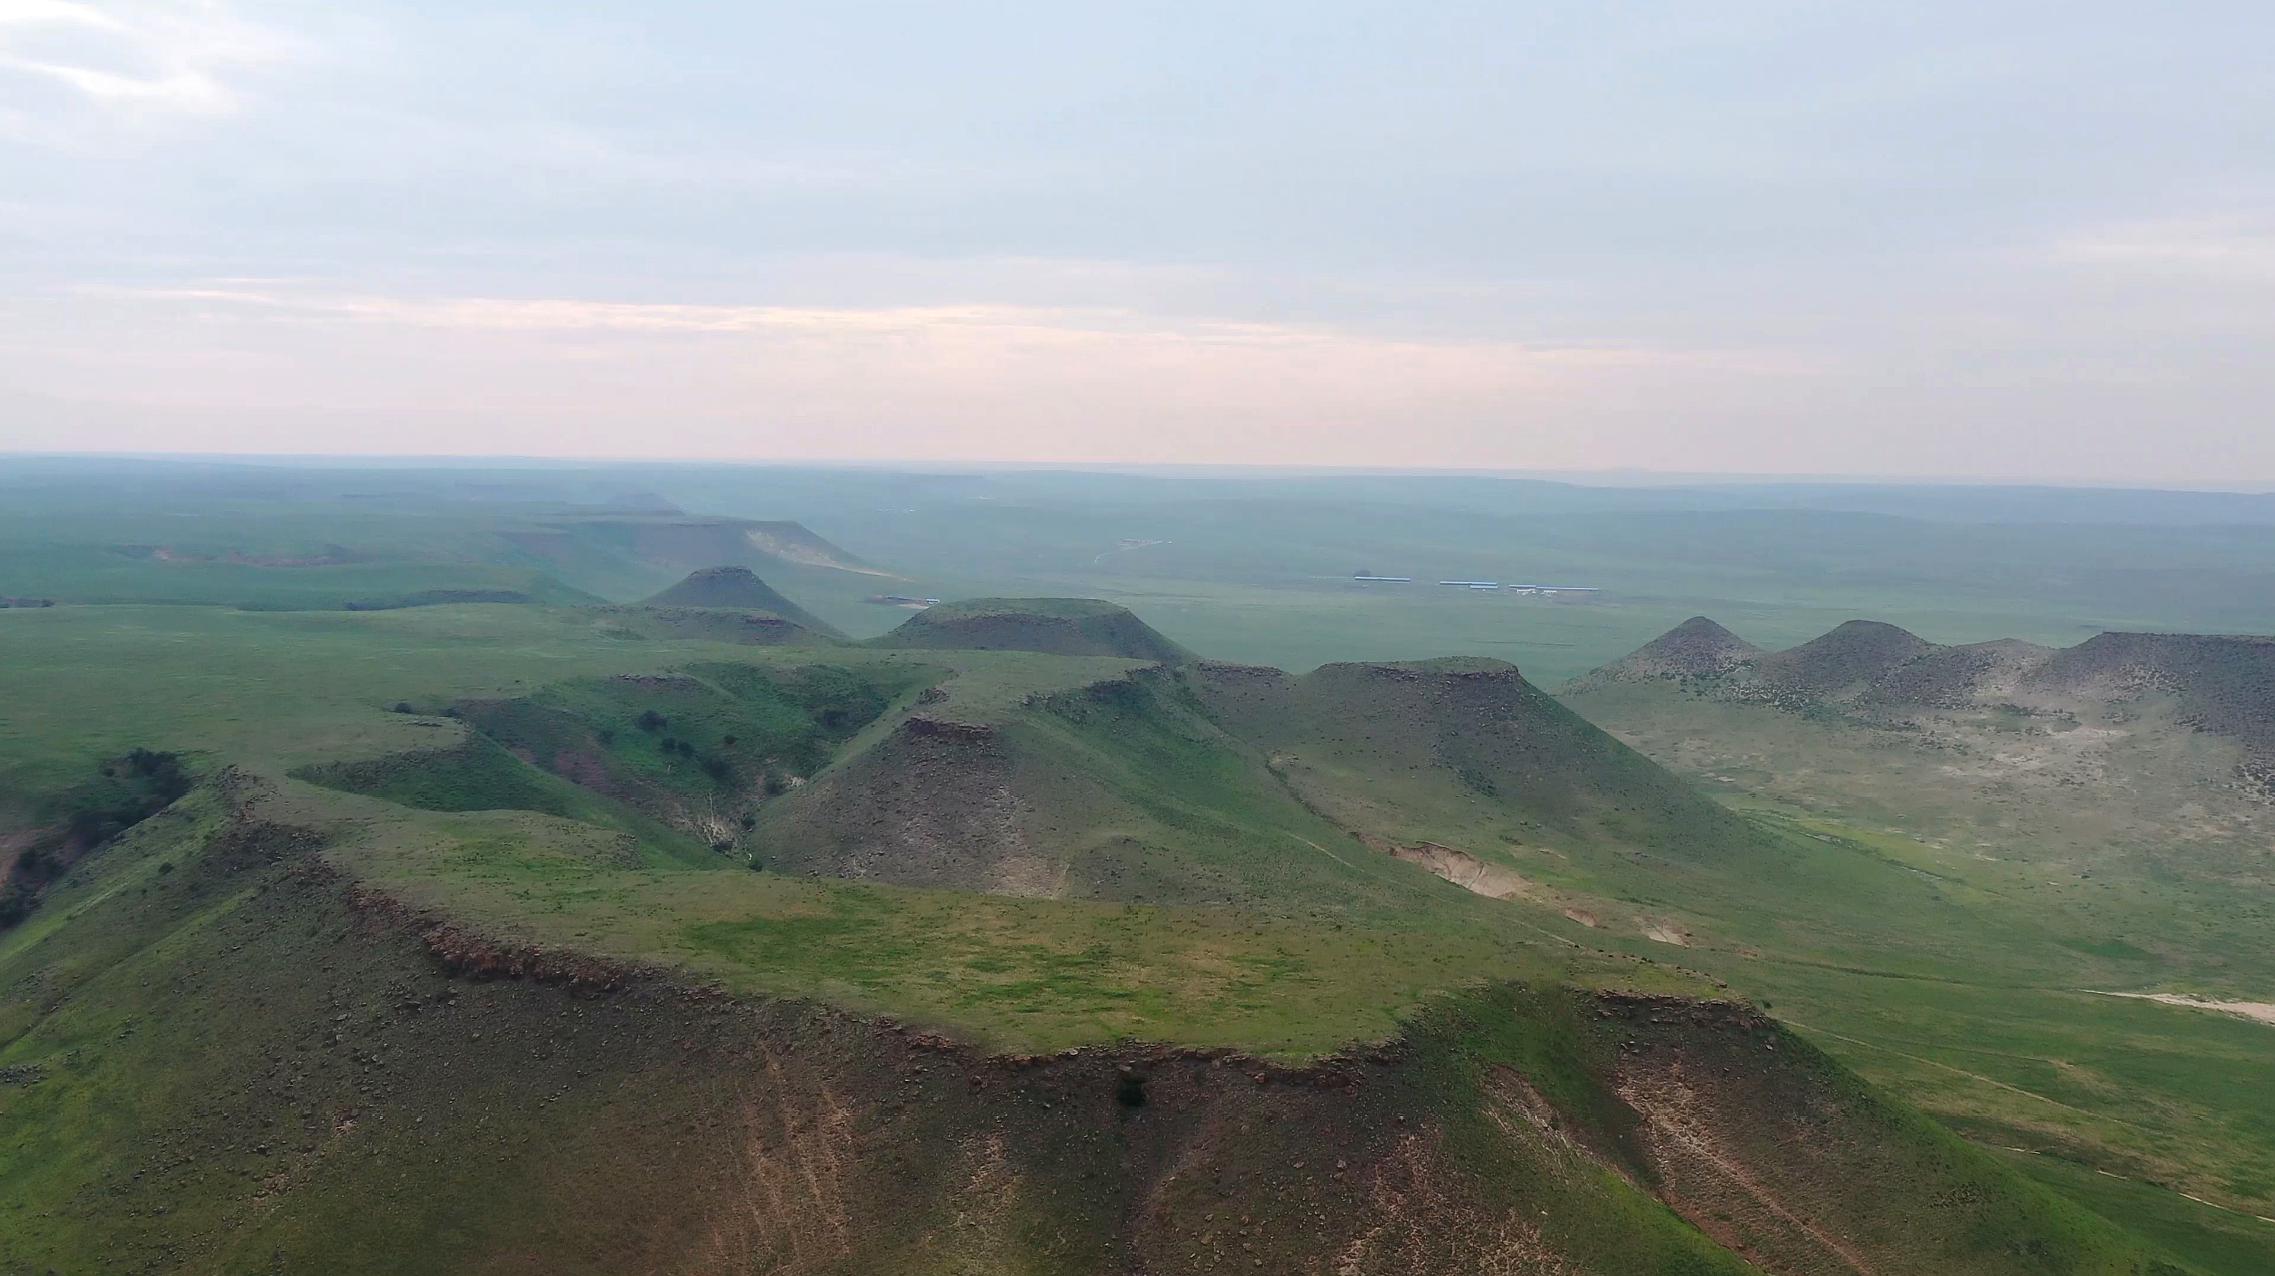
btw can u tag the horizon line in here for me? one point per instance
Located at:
(1608, 476)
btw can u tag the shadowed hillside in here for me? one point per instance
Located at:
(1059, 626)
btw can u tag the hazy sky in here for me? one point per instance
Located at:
(1967, 239)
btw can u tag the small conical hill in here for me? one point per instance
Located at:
(1853, 654)
(736, 589)
(1696, 648)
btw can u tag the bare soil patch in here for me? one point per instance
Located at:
(1466, 871)
(2262, 1011)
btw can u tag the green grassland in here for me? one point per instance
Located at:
(312, 695)
(1328, 942)
(2148, 877)
(1248, 567)
(1033, 852)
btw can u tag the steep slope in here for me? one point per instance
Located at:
(1968, 674)
(1058, 626)
(1463, 749)
(70, 824)
(1852, 655)
(1210, 782)
(1123, 790)
(247, 1061)
(1696, 648)
(734, 589)
(2223, 684)
(792, 542)
(682, 762)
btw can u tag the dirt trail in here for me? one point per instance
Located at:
(2259, 1011)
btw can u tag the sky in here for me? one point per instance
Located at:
(1917, 238)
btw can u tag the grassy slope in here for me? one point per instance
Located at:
(322, 684)
(1017, 974)
(2058, 893)
(247, 1070)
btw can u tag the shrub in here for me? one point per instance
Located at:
(650, 720)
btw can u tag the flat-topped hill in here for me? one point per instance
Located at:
(736, 589)
(1057, 626)
(2224, 683)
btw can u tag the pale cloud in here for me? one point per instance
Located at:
(151, 58)
(26, 13)
(2222, 247)
(981, 323)
(563, 376)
